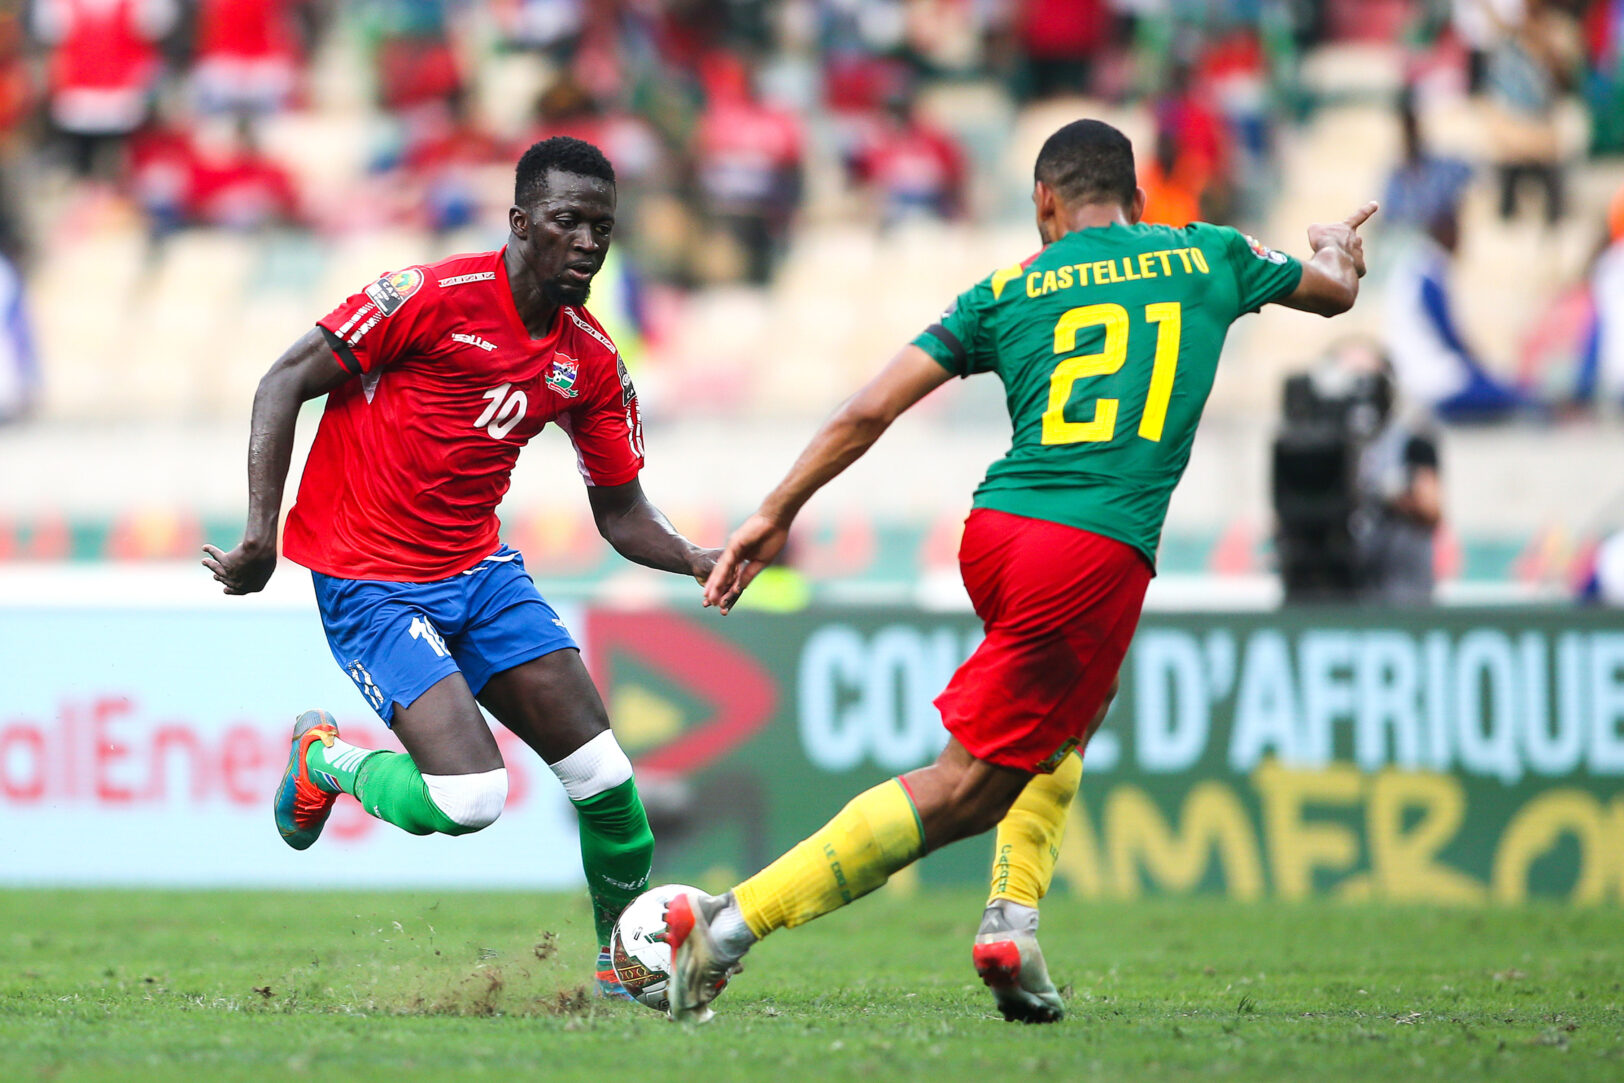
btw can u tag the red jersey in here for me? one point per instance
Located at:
(411, 459)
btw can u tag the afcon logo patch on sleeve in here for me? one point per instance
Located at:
(627, 391)
(391, 291)
(1263, 251)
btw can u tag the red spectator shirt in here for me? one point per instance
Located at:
(247, 29)
(914, 165)
(102, 46)
(412, 458)
(241, 191)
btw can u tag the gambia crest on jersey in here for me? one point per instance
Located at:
(561, 376)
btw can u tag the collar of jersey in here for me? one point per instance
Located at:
(512, 310)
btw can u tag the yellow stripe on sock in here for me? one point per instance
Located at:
(876, 834)
(1030, 834)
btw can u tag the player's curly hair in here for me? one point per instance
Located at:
(1088, 161)
(563, 153)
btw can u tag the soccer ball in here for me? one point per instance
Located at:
(642, 963)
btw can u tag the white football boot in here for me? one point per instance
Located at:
(700, 966)
(1008, 958)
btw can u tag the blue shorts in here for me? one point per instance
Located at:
(397, 640)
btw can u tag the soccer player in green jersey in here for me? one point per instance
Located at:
(1107, 342)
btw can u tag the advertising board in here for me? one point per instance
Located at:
(1444, 755)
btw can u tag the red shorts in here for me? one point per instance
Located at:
(1060, 606)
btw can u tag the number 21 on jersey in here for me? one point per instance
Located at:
(1166, 316)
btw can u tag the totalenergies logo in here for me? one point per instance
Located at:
(112, 751)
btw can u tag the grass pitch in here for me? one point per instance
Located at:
(450, 986)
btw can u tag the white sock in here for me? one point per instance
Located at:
(1015, 916)
(345, 756)
(594, 768)
(731, 932)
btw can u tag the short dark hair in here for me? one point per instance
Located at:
(563, 153)
(1088, 161)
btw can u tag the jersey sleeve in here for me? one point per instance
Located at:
(1262, 274)
(375, 327)
(607, 428)
(960, 341)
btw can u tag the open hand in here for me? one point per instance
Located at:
(701, 563)
(751, 548)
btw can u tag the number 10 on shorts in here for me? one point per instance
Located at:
(422, 629)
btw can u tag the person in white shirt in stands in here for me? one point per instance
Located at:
(1434, 365)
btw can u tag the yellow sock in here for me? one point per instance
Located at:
(877, 833)
(1029, 835)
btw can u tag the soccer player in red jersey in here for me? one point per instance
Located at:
(435, 377)
(1107, 342)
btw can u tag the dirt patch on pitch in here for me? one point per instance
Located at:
(492, 991)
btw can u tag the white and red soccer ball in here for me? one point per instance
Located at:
(643, 963)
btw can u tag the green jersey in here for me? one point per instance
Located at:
(1107, 342)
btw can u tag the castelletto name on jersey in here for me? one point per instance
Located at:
(1164, 263)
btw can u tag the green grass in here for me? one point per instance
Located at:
(394, 986)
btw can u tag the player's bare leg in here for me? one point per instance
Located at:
(450, 780)
(551, 703)
(880, 831)
(1006, 952)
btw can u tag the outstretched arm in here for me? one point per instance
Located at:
(909, 377)
(306, 370)
(1330, 282)
(642, 534)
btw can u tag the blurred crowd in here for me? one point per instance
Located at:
(709, 108)
(707, 103)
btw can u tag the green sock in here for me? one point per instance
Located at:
(390, 787)
(616, 849)
(334, 769)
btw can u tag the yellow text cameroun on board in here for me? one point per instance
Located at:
(1375, 835)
